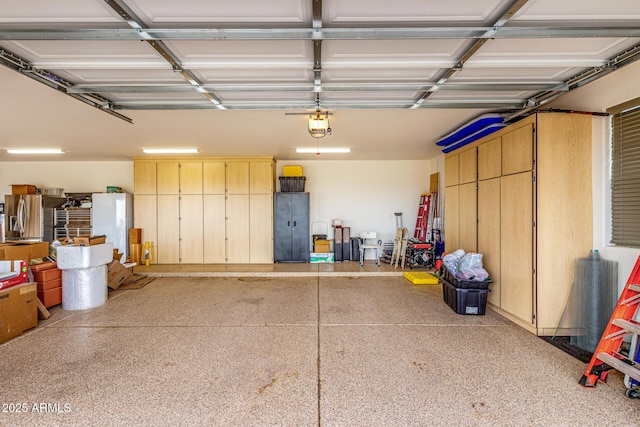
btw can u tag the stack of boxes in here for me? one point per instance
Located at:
(18, 297)
(49, 280)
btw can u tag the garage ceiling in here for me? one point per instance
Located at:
(221, 75)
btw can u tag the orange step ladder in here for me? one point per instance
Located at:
(607, 355)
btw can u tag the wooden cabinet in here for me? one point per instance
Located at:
(237, 229)
(452, 218)
(460, 203)
(534, 214)
(168, 247)
(468, 171)
(168, 177)
(144, 178)
(468, 217)
(214, 244)
(451, 170)
(209, 210)
(516, 242)
(489, 232)
(490, 159)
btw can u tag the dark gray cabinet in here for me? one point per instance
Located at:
(291, 227)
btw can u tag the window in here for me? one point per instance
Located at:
(625, 176)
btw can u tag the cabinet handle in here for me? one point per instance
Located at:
(288, 223)
(294, 223)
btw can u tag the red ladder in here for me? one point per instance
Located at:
(421, 222)
(607, 355)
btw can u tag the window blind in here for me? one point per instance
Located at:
(625, 178)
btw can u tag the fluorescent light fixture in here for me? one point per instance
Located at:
(323, 150)
(35, 151)
(170, 150)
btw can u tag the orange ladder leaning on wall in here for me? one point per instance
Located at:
(607, 355)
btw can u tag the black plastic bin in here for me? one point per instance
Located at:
(465, 301)
(292, 184)
(463, 284)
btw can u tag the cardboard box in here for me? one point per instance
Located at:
(88, 241)
(322, 246)
(18, 310)
(23, 189)
(117, 274)
(114, 189)
(13, 273)
(318, 258)
(50, 297)
(19, 251)
(135, 253)
(135, 236)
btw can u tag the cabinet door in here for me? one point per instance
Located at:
(191, 229)
(191, 178)
(214, 228)
(261, 228)
(282, 227)
(237, 228)
(237, 177)
(213, 177)
(168, 177)
(261, 179)
(452, 218)
(144, 178)
(451, 170)
(145, 216)
(468, 166)
(517, 150)
(300, 227)
(489, 233)
(516, 243)
(168, 249)
(490, 159)
(468, 217)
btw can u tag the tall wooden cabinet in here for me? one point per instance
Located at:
(533, 213)
(206, 210)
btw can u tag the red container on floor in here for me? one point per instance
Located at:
(49, 284)
(46, 275)
(50, 297)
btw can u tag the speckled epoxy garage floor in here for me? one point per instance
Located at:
(294, 351)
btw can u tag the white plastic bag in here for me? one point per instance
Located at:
(452, 260)
(470, 267)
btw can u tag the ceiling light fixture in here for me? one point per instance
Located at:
(323, 150)
(35, 151)
(170, 150)
(318, 125)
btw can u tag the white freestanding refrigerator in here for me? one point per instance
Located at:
(112, 216)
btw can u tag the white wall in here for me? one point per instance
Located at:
(73, 177)
(626, 257)
(364, 194)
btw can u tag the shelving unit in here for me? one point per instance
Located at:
(72, 222)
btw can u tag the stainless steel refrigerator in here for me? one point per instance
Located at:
(30, 216)
(112, 216)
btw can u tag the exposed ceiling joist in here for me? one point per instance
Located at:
(460, 32)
